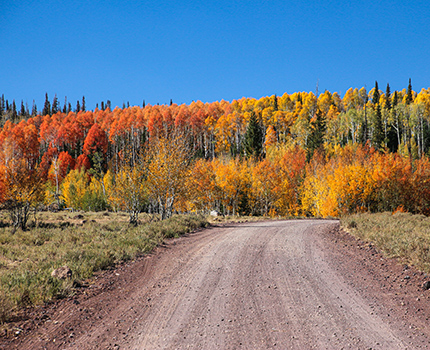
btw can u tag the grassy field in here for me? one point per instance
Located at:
(85, 242)
(400, 235)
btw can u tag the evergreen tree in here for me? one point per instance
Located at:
(2, 105)
(143, 104)
(14, 113)
(78, 106)
(108, 104)
(378, 129)
(253, 139)
(83, 104)
(391, 136)
(409, 95)
(34, 109)
(275, 103)
(316, 137)
(22, 111)
(395, 99)
(65, 105)
(69, 108)
(388, 98)
(55, 105)
(376, 96)
(47, 106)
(363, 133)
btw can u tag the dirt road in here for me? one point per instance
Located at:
(266, 285)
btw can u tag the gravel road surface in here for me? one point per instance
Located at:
(301, 284)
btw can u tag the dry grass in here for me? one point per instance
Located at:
(400, 235)
(85, 242)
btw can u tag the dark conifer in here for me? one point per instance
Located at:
(316, 137)
(388, 97)
(22, 112)
(83, 104)
(375, 98)
(55, 105)
(378, 129)
(65, 105)
(34, 109)
(78, 106)
(2, 105)
(275, 102)
(409, 95)
(46, 106)
(253, 139)
(395, 99)
(14, 113)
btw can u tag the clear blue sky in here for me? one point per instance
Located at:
(208, 50)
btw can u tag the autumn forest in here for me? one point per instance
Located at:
(300, 154)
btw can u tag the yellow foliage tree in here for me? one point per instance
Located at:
(232, 178)
(20, 190)
(74, 188)
(167, 168)
(128, 192)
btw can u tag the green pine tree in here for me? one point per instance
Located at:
(14, 112)
(378, 129)
(55, 105)
(34, 109)
(2, 105)
(316, 137)
(47, 106)
(388, 97)
(409, 95)
(253, 140)
(65, 105)
(275, 103)
(375, 98)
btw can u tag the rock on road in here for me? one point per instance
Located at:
(261, 285)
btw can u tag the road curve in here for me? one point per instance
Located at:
(261, 285)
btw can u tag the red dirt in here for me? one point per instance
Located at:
(267, 285)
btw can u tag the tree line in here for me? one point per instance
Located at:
(277, 155)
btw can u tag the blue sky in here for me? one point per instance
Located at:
(208, 50)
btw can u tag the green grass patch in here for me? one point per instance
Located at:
(85, 242)
(400, 235)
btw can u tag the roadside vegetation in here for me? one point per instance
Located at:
(84, 242)
(399, 235)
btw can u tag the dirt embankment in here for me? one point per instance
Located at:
(266, 285)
